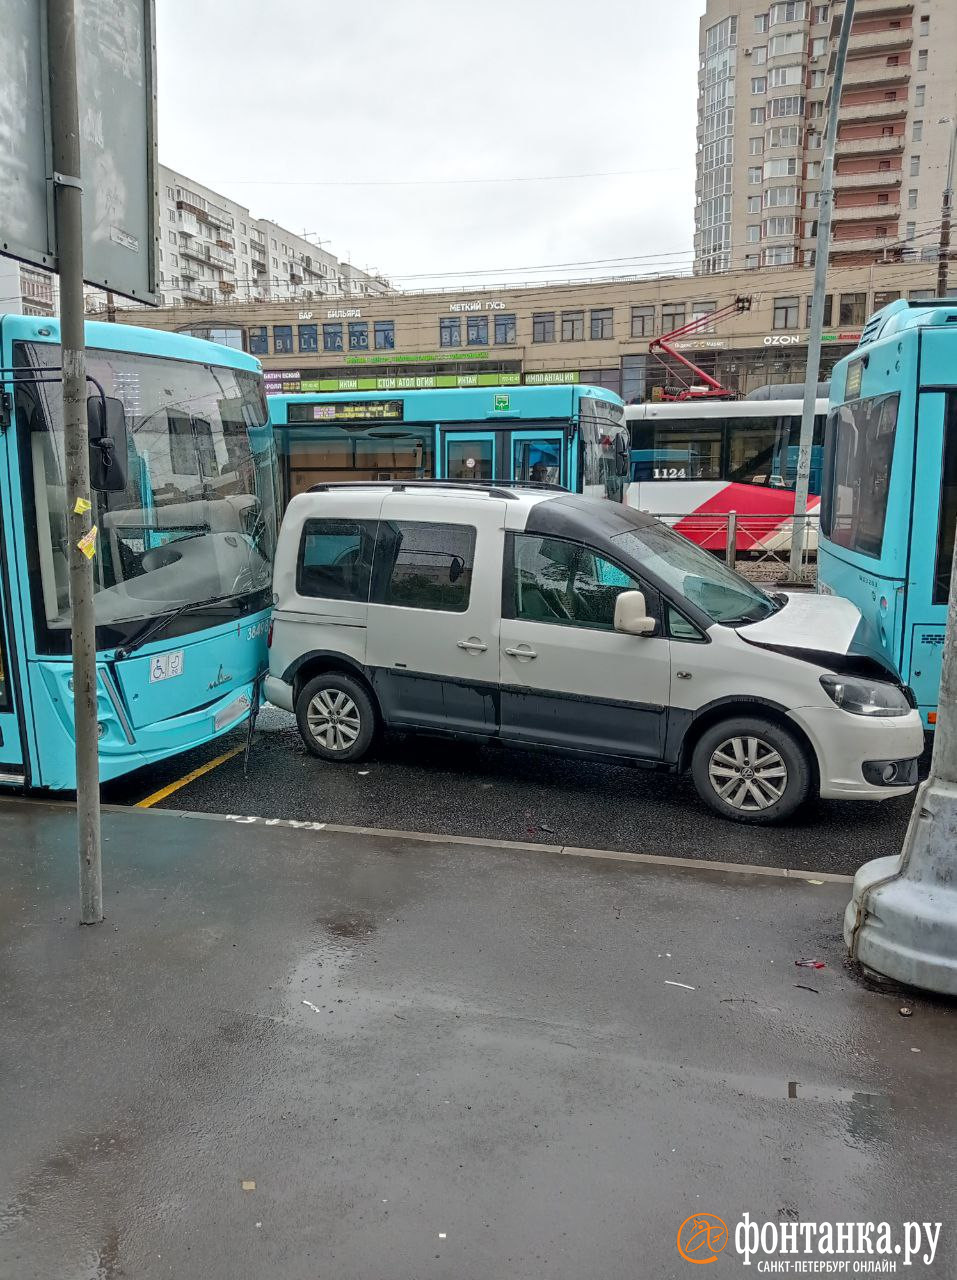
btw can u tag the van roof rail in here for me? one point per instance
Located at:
(494, 488)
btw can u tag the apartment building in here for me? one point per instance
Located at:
(764, 91)
(211, 248)
(597, 332)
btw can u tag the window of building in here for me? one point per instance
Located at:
(774, 197)
(258, 340)
(358, 335)
(753, 234)
(784, 135)
(789, 11)
(308, 337)
(169, 194)
(910, 230)
(818, 47)
(914, 166)
(755, 146)
(751, 261)
(828, 311)
(335, 559)
(171, 237)
(924, 25)
(912, 198)
(821, 13)
(813, 169)
(672, 316)
(893, 60)
(883, 198)
(781, 225)
(505, 331)
(754, 204)
(642, 322)
(918, 131)
(883, 297)
(275, 263)
(602, 323)
(332, 337)
(272, 244)
(243, 247)
(757, 115)
(791, 106)
(282, 339)
(450, 331)
(754, 177)
(880, 232)
(815, 110)
(852, 308)
(429, 566)
(173, 260)
(883, 166)
(785, 315)
(759, 55)
(818, 79)
(778, 77)
(543, 326)
(242, 228)
(476, 331)
(783, 168)
(573, 326)
(759, 84)
(919, 91)
(815, 141)
(565, 584)
(921, 59)
(384, 334)
(760, 22)
(920, 295)
(810, 229)
(781, 255)
(790, 42)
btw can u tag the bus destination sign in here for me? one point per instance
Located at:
(357, 411)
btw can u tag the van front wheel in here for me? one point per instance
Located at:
(751, 770)
(336, 718)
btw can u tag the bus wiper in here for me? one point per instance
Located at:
(159, 624)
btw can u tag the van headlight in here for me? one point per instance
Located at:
(865, 697)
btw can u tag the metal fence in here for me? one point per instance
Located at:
(757, 545)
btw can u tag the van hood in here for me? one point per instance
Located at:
(824, 629)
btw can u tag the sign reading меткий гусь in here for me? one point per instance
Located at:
(115, 50)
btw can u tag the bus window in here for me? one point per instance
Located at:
(948, 504)
(4, 687)
(676, 450)
(858, 457)
(353, 456)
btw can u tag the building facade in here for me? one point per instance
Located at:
(595, 333)
(210, 248)
(763, 95)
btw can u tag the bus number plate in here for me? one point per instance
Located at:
(239, 706)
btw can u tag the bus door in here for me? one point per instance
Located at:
(932, 544)
(11, 745)
(470, 455)
(537, 456)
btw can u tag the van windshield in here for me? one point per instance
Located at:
(695, 574)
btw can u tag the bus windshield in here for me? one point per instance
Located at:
(694, 573)
(197, 519)
(857, 469)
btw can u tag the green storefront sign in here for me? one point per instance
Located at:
(411, 382)
(551, 377)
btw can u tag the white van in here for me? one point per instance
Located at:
(539, 618)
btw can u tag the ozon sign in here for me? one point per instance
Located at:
(783, 340)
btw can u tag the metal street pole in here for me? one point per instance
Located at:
(822, 253)
(64, 111)
(902, 918)
(944, 252)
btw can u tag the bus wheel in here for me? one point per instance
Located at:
(336, 717)
(751, 770)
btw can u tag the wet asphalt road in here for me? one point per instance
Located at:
(427, 784)
(298, 1054)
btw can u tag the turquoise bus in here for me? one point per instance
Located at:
(889, 490)
(573, 436)
(186, 516)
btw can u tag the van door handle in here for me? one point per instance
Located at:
(522, 651)
(472, 645)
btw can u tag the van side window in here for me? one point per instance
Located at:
(420, 565)
(679, 628)
(335, 559)
(566, 583)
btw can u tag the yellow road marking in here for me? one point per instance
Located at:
(187, 778)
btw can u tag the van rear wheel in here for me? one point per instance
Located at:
(751, 770)
(336, 718)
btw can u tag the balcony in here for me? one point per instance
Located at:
(870, 9)
(218, 217)
(864, 244)
(187, 223)
(868, 212)
(195, 250)
(875, 75)
(864, 181)
(870, 146)
(872, 112)
(218, 257)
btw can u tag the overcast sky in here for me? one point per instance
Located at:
(283, 105)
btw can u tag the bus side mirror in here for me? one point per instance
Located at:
(106, 422)
(631, 614)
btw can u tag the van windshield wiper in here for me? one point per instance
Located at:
(159, 624)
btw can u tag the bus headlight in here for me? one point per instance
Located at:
(865, 697)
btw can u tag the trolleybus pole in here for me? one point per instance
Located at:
(61, 21)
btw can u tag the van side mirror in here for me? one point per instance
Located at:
(106, 422)
(631, 614)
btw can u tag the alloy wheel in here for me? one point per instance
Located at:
(748, 774)
(333, 719)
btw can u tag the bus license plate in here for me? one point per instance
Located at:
(232, 711)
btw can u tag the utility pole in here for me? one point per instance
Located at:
(902, 918)
(68, 203)
(944, 252)
(822, 253)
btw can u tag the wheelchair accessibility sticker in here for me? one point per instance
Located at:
(165, 666)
